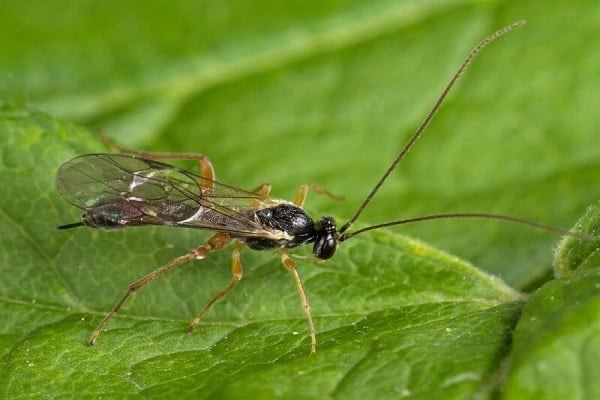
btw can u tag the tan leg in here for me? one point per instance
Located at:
(236, 272)
(303, 191)
(216, 242)
(108, 142)
(207, 171)
(262, 190)
(290, 265)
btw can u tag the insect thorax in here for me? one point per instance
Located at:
(286, 225)
(290, 226)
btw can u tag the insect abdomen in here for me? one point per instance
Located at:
(122, 213)
(108, 216)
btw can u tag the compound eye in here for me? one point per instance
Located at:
(325, 246)
(326, 241)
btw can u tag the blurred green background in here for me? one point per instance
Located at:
(327, 93)
(289, 93)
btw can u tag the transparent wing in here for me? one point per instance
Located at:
(148, 192)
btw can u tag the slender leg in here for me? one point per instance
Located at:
(236, 269)
(207, 171)
(215, 242)
(290, 265)
(303, 191)
(236, 275)
(262, 190)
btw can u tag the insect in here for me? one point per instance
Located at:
(134, 189)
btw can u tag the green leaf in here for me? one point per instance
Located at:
(273, 93)
(384, 300)
(557, 341)
(302, 92)
(576, 254)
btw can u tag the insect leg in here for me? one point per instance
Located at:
(263, 190)
(236, 272)
(303, 192)
(215, 242)
(207, 171)
(290, 265)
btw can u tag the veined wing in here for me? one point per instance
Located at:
(147, 192)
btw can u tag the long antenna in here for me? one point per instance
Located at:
(426, 122)
(500, 217)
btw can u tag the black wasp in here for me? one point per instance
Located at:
(133, 189)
